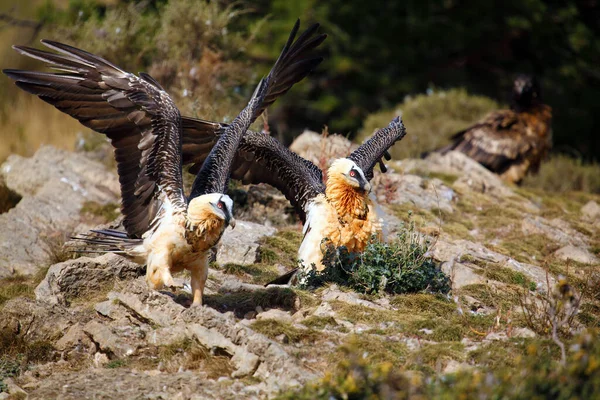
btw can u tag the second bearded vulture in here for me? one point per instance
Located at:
(339, 209)
(512, 142)
(164, 229)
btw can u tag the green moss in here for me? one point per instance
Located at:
(433, 357)
(374, 349)
(108, 212)
(505, 298)
(527, 248)
(17, 353)
(274, 328)
(424, 304)
(318, 322)
(499, 354)
(120, 363)
(19, 286)
(255, 273)
(281, 248)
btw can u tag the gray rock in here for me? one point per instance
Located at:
(577, 254)
(591, 211)
(322, 149)
(35, 320)
(241, 245)
(75, 340)
(107, 340)
(54, 185)
(276, 314)
(391, 188)
(73, 278)
(472, 176)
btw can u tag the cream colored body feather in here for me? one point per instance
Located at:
(172, 248)
(345, 214)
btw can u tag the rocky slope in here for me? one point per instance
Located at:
(90, 328)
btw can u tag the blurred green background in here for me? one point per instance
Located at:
(441, 63)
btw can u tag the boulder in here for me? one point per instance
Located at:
(321, 150)
(241, 245)
(54, 184)
(591, 211)
(67, 280)
(577, 254)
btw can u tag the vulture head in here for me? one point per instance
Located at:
(215, 207)
(526, 92)
(346, 170)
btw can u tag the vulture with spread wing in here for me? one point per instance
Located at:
(164, 229)
(339, 209)
(512, 142)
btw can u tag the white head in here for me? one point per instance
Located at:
(210, 205)
(350, 173)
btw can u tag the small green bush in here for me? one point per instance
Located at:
(401, 266)
(551, 177)
(430, 120)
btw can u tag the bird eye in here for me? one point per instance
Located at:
(352, 173)
(220, 204)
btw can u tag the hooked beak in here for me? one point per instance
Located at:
(232, 223)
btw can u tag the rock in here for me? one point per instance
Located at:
(275, 314)
(322, 149)
(13, 390)
(448, 250)
(523, 333)
(392, 188)
(591, 211)
(461, 275)
(333, 293)
(472, 176)
(35, 320)
(73, 278)
(556, 229)
(576, 254)
(241, 245)
(75, 339)
(107, 340)
(54, 185)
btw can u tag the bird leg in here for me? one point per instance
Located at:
(158, 271)
(199, 272)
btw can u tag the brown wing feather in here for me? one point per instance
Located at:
(140, 119)
(373, 150)
(260, 158)
(505, 138)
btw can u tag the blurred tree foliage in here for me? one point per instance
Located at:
(377, 53)
(380, 51)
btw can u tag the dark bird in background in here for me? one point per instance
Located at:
(512, 142)
(164, 229)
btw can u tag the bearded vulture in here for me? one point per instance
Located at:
(339, 209)
(510, 142)
(164, 230)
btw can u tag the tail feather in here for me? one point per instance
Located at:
(106, 241)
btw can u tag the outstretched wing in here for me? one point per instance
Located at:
(138, 116)
(260, 158)
(219, 162)
(496, 142)
(373, 150)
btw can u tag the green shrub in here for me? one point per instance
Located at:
(430, 120)
(401, 266)
(356, 379)
(534, 374)
(552, 173)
